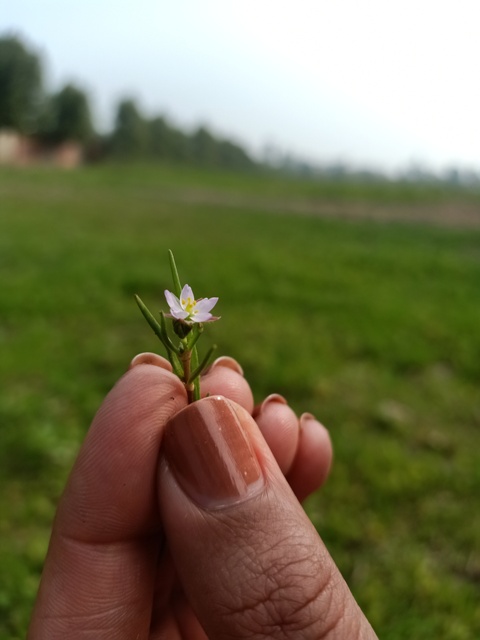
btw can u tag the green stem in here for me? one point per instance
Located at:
(195, 380)
(189, 385)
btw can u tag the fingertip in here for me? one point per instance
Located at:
(273, 397)
(225, 378)
(314, 433)
(313, 459)
(150, 358)
(279, 426)
(228, 362)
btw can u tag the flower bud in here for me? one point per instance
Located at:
(182, 329)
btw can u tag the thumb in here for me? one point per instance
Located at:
(249, 560)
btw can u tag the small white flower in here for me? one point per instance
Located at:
(189, 310)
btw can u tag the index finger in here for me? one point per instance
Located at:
(99, 574)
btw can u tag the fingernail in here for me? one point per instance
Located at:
(150, 358)
(273, 397)
(308, 417)
(229, 363)
(209, 452)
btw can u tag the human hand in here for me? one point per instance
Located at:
(185, 526)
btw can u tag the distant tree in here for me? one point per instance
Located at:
(20, 85)
(209, 150)
(167, 142)
(204, 147)
(232, 156)
(67, 116)
(136, 137)
(129, 137)
(179, 146)
(453, 176)
(337, 171)
(159, 138)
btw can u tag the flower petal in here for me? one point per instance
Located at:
(179, 315)
(205, 304)
(186, 293)
(172, 301)
(202, 316)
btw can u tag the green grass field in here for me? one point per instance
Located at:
(372, 325)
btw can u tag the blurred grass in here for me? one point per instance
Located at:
(372, 326)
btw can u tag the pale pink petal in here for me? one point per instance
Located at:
(179, 315)
(202, 316)
(187, 293)
(172, 299)
(176, 309)
(205, 304)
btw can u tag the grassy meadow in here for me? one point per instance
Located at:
(345, 298)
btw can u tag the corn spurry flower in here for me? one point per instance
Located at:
(189, 310)
(180, 341)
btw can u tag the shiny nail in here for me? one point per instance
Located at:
(210, 454)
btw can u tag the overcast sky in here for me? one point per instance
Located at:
(380, 83)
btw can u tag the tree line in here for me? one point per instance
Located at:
(65, 115)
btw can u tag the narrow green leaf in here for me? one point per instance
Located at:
(196, 389)
(176, 280)
(160, 331)
(157, 329)
(166, 339)
(203, 365)
(176, 364)
(193, 362)
(194, 335)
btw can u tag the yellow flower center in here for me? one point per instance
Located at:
(188, 305)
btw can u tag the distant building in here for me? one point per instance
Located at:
(22, 151)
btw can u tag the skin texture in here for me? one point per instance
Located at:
(133, 556)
